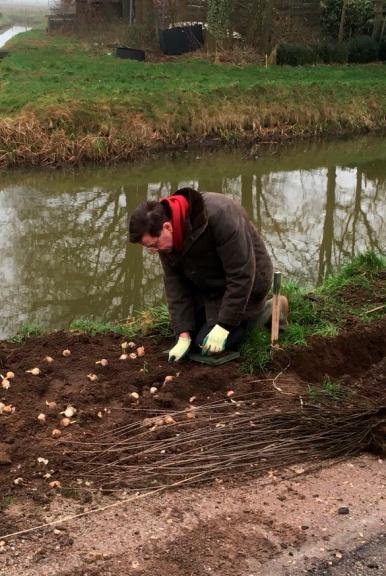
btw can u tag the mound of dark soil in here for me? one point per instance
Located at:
(106, 405)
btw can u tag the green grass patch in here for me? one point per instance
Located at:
(328, 390)
(321, 312)
(25, 331)
(65, 100)
(53, 70)
(154, 321)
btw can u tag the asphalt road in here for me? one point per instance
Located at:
(366, 560)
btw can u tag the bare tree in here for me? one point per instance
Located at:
(342, 21)
(378, 19)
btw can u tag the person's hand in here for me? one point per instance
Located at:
(214, 342)
(180, 349)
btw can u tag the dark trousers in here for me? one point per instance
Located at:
(202, 330)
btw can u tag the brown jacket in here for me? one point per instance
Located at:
(224, 264)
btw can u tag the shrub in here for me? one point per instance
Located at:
(296, 54)
(333, 52)
(362, 49)
(382, 50)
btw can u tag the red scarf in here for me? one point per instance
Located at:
(179, 207)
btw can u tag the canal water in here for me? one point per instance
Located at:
(10, 33)
(63, 233)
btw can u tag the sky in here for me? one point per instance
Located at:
(24, 2)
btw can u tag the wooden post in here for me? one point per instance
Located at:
(275, 308)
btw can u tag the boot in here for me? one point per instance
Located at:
(265, 316)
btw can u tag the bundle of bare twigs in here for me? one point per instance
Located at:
(249, 433)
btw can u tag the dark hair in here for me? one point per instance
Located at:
(148, 218)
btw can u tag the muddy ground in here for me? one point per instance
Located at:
(197, 398)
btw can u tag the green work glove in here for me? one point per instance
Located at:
(180, 349)
(214, 342)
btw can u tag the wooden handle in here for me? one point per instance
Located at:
(275, 308)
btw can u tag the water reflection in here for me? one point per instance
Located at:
(63, 235)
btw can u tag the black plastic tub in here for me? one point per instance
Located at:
(181, 39)
(130, 53)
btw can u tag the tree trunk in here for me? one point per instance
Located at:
(266, 28)
(342, 21)
(378, 18)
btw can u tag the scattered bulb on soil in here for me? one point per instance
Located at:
(153, 422)
(43, 461)
(69, 412)
(126, 345)
(9, 375)
(192, 399)
(18, 481)
(51, 405)
(55, 484)
(92, 377)
(123, 356)
(168, 379)
(102, 362)
(48, 359)
(34, 371)
(65, 422)
(66, 353)
(153, 390)
(140, 352)
(5, 383)
(46, 476)
(134, 395)
(100, 415)
(230, 393)
(8, 409)
(42, 418)
(133, 355)
(56, 433)
(169, 420)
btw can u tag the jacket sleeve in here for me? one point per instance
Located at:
(179, 298)
(234, 246)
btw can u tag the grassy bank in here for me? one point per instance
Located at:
(356, 293)
(67, 102)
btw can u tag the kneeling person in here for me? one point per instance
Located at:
(217, 271)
